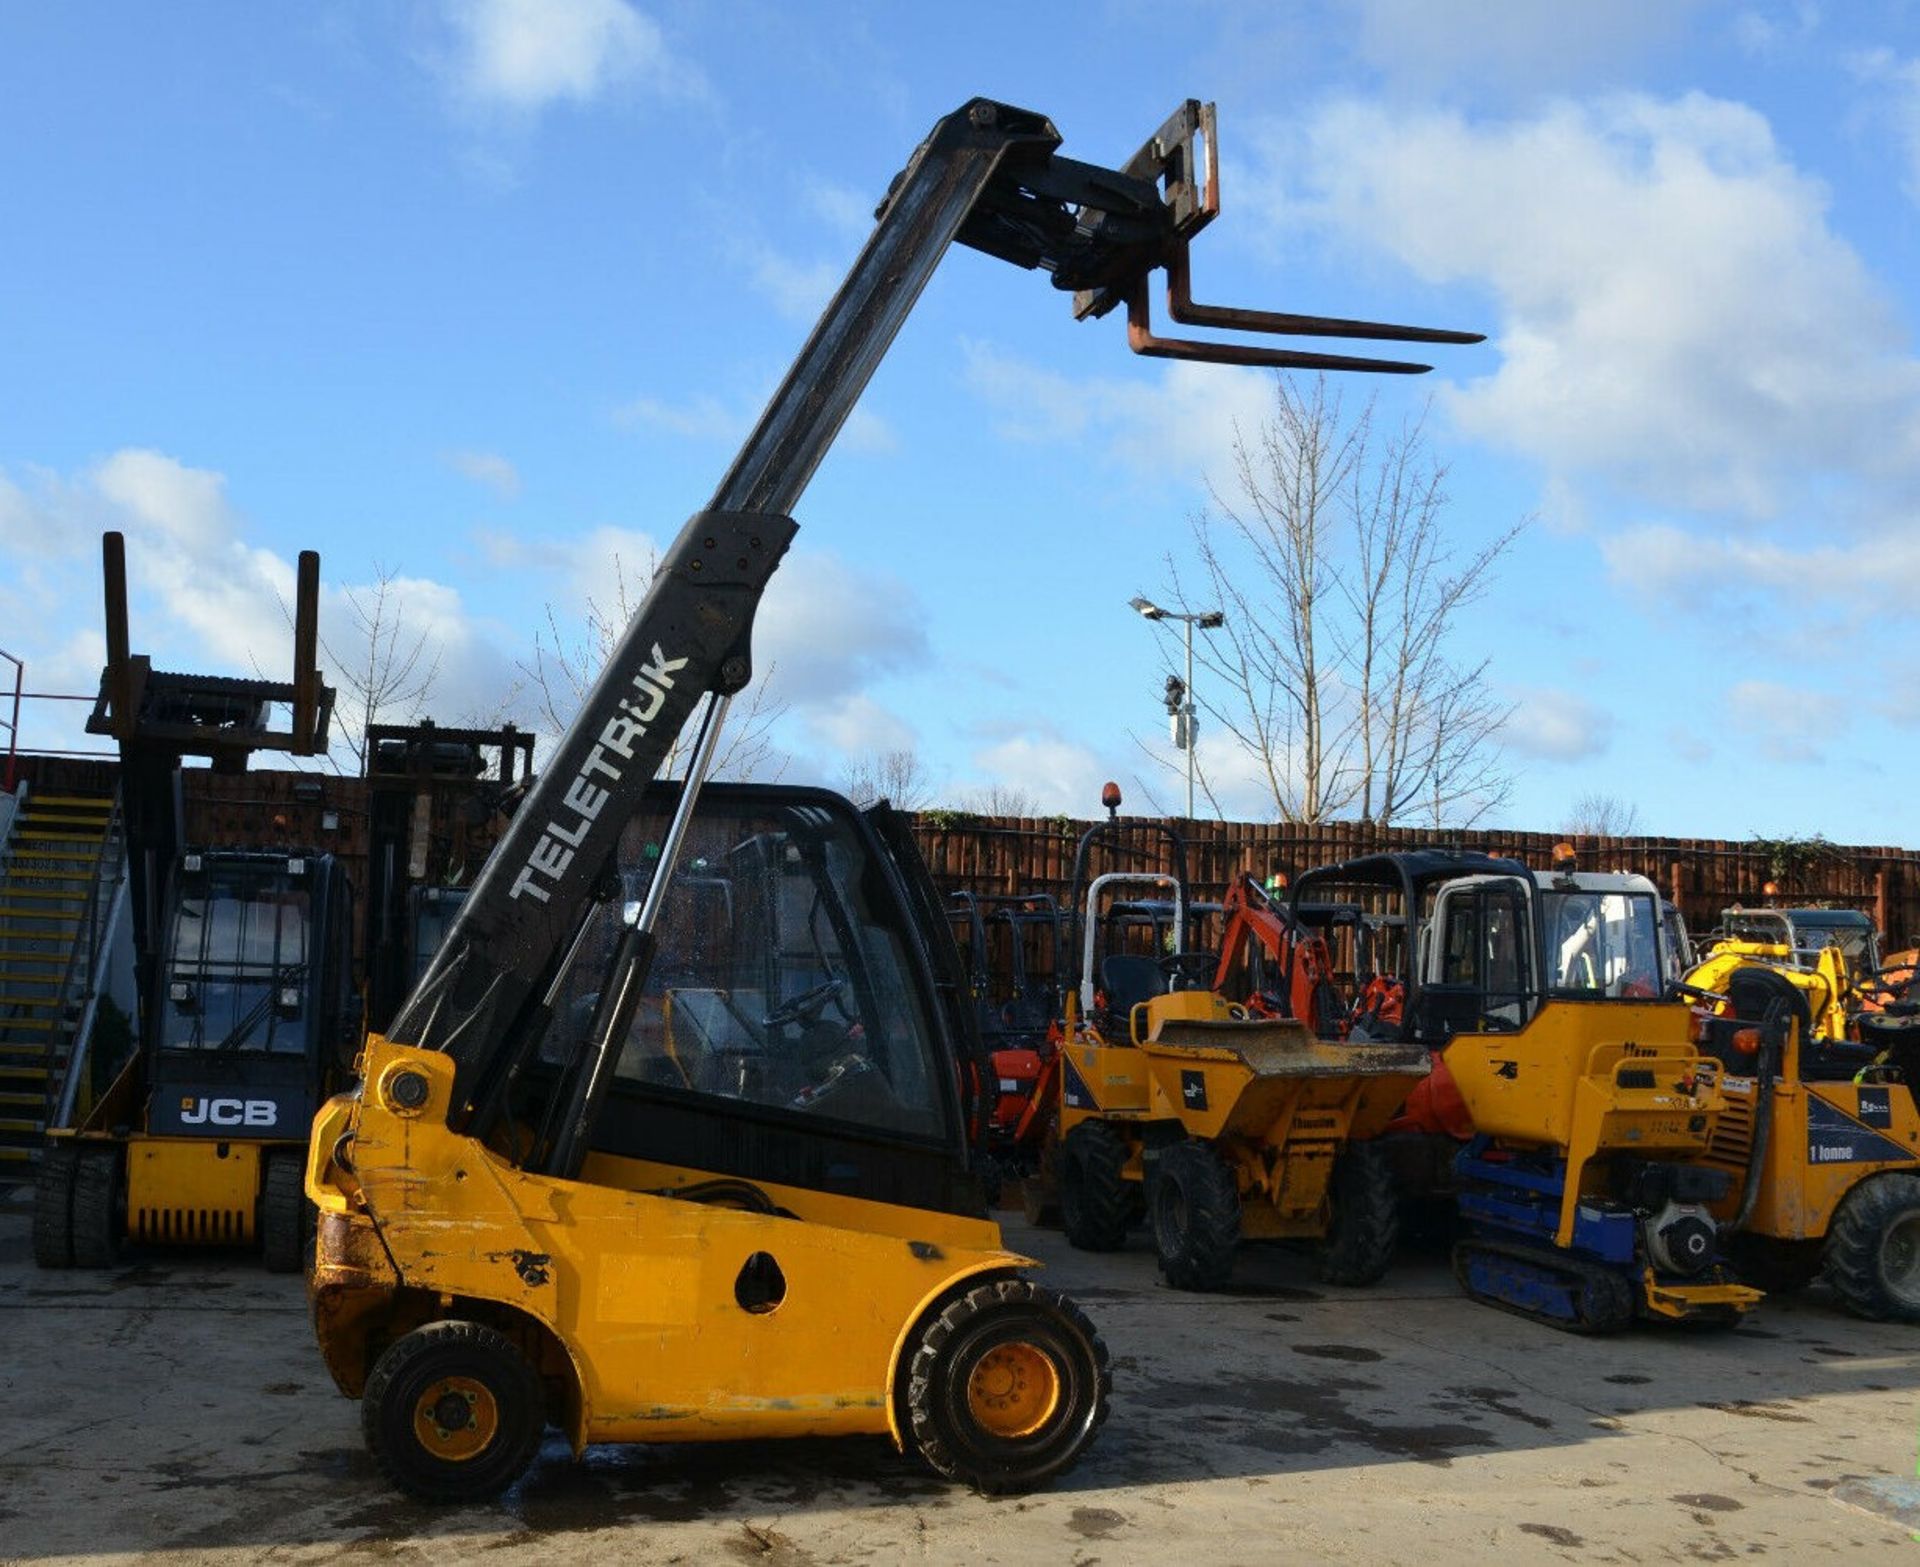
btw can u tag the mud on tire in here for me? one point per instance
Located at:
(1098, 1204)
(1873, 1249)
(1364, 1230)
(1195, 1208)
(1006, 1387)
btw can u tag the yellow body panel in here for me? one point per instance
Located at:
(1823, 1142)
(636, 1288)
(1590, 1078)
(184, 1189)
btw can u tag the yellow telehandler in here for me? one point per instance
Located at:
(661, 1177)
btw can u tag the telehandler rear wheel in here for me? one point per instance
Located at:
(453, 1413)
(1873, 1249)
(1196, 1216)
(1007, 1386)
(1098, 1204)
(99, 1206)
(1364, 1230)
(53, 1207)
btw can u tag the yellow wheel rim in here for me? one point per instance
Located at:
(456, 1418)
(1013, 1391)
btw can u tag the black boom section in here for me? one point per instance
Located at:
(690, 637)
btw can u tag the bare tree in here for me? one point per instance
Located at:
(1602, 816)
(999, 799)
(566, 662)
(386, 671)
(898, 776)
(1332, 672)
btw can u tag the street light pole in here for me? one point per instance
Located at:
(1184, 710)
(1189, 620)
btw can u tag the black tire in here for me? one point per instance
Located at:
(1777, 1266)
(1007, 1386)
(1195, 1207)
(1363, 1231)
(429, 1374)
(286, 1217)
(1098, 1204)
(53, 1207)
(1873, 1249)
(99, 1208)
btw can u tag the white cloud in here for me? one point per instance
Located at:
(1683, 570)
(1896, 84)
(488, 468)
(1556, 725)
(699, 417)
(1787, 724)
(840, 206)
(1677, 314)
(799, 290)
(1179, 419)
(526, 54)
(202, 595)
(854, 724)
(704, 417)
(1519, 43)
(1056, 773)
(831, 629)
(1760, 32)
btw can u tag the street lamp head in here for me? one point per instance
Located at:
(1212, 620)
(1147, 608)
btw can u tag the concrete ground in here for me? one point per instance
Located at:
(176, 1410)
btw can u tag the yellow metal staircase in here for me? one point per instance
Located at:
(50, 874)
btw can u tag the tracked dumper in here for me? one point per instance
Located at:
(1587, 1186)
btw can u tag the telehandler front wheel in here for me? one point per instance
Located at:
(452, 1412)
(1007, 1386)
(1195, 1207)
(1364, 1230)
(1097, 1201)
(1873, 1249)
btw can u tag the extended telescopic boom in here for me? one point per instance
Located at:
(990, 176)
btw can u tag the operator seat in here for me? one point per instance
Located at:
(1128, 979)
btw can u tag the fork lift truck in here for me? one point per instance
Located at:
(515, 1229)
(433, 793)
(247, 1012)
(1177, 1105)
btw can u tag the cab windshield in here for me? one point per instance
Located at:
(1601, 945)
(1855, 941)
(236, 978)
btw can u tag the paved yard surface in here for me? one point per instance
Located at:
(176, 1410)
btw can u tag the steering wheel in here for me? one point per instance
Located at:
(1190, 968)
(806, 1006)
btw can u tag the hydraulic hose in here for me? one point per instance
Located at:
(1773, 1037)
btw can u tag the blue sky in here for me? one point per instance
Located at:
(484, 295)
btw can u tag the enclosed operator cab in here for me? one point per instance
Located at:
(251, 1023)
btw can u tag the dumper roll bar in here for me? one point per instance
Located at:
(989, 175)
